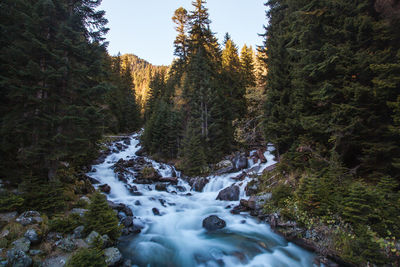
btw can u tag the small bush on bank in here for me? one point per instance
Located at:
(87, 258)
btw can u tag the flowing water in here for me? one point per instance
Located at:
(177, 238)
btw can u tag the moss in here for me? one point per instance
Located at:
(87, 258)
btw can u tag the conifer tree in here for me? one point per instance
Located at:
(247, 63)
(101, 218)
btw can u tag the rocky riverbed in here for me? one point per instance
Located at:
(192, 221)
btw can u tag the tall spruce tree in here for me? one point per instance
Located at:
(53, 61)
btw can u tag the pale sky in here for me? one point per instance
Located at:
(145, 28)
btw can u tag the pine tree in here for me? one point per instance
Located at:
(247, 64)
(194, 158)
(101, 218)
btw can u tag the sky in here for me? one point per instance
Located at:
(145, 27)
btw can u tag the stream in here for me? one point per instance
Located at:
(176, 237)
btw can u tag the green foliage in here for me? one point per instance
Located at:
(10, 202)
(65, 224)
(193, 105)
(87, 258)
(280, 194)
(193, 154)
(101, 218)
(42, 195)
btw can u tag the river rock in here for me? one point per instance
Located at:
(56, 261)
(240, 177)
(105, 188)
(224, 164)
(140, 152)
(32, 236)
(260, 154)
(8, 217)
(213, 223)
(29, 217)
(106, 241)
(79, 211)
(92, 237)
(85, 199)
(78, 232)
(66, 244)
(18, 258)
(172, 180)
(22, 244)
(161, 187)
(127, 221)
(93, 180)
(198, 183)
(181, 188)
(251, 187)
(156, 212)
(35, 252)
(240, 161)
(113, 256)
(230, 193)
(120, 207)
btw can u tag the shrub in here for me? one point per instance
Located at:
(65, 224)
(87, 258)
(10, 202)
(279, 194)
(101, 218)
(43, 196)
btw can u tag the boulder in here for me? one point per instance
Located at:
(156, 212)
(22, 244)
(181, 188)
(80, 212)
(92, 237)
(93, 180)
(106, 241)
(18, 258)
(230, 193)
(198, 183)
(161, 187)
(78, 232)
(240, 177)
(35, 252)
(112, 256)
(240, 161)
(32, 236)
(260, 154)
(140, 152)
(127, 221)
(120, 207)
(80, 243)
(251, 188)
(213, 222)
(56, 261)
(127, 141)
(172, 180)
(29, 217)
(53, 237)
(8, 217)
(66, 244)
(105, 188)
(85, 199)
(224, 164)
